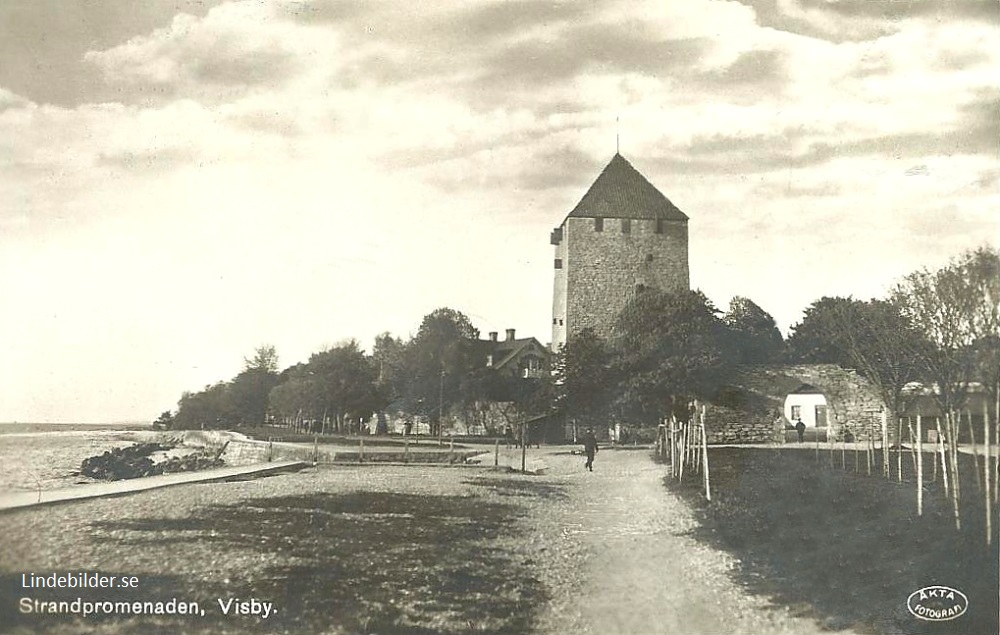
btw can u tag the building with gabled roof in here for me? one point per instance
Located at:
(623, 236)
(524, 358)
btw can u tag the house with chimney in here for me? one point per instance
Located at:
(524, 358)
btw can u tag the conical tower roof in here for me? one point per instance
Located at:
(621, 192)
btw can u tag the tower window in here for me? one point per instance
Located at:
(598, 224)
(659, 225)
(558, 263)
(626, 225)
(649, 257)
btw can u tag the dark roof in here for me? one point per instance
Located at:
(504, 351)
(621, 192)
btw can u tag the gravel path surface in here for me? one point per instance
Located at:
(636, 569)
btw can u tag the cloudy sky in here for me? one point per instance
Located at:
(186, 180)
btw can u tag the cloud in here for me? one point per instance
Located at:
(235, 48)
(902, 9)
(863, 20)
(276, 171)
(10, 100)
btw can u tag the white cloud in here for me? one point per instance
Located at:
(300, 176)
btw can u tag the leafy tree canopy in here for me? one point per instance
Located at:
(672, 348)
(755, 333)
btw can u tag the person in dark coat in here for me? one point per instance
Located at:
(590, 448)
(801, 429)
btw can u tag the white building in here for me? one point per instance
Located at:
(807, 404)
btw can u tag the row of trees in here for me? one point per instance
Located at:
(666, 350)
(437, 372)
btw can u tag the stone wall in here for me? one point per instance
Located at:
(751, 410)
(729, 425)
(602, 269)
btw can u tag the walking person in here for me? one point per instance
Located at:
(801, 429)
(590, 448)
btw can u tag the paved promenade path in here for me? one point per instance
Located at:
(18, 499)
(634, 568)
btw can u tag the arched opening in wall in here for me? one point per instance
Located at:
(807, 416)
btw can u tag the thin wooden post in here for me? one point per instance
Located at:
(451, 449)
(406, 449)
(956, 487)
(899, 449)
(704, 460)
(496, 452)
(843, 451)
(920, 468)
(524, 447)
(869, 451)
(986, 472)
(673, 464)
(683, 452)
(975, 449)
(885, 444)
(940, 448)
(315, 449)
(361, 449)
(996, 466)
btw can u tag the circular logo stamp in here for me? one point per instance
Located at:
(937, 603)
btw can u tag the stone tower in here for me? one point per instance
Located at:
(622, 237)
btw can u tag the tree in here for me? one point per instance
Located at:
(982, 268)
(437, 361)
(209, 408)
(875, 338)
(755, 333)
(389, 357)
(672, 348)
(344, 380)
(818, 338)
(584, 379)
(165, 421)
(956, 309)
(265, 359)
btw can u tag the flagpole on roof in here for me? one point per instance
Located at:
(616, 135)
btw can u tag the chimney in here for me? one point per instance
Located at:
(510, 335)
(493, 336)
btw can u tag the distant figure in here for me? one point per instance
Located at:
(590, 448)
(801, 429)
(407, 427)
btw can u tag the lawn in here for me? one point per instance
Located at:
(384, 550)
(842, 547)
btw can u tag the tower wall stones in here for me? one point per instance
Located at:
(623, 236)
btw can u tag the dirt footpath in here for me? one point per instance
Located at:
(620, 558)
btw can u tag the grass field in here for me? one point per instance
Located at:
(845, 548)
(380, 550)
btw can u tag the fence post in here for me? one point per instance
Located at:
(496, 452)
(986, 471)
(361, 449)
(704, 460)
(920, 468)
(406, 449)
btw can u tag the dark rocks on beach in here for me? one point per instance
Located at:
(136, 461)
